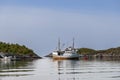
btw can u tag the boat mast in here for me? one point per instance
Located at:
(73, 43)
(59, 45)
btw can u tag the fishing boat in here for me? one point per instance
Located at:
(68, 53)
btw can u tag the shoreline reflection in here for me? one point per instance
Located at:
(15, 68)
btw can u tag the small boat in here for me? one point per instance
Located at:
(3, 57)
(68, 53)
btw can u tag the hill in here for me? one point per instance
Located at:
(17, 50)
(112, 53)
(115, 51)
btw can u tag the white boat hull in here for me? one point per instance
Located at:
(62, 57)
(66, 56)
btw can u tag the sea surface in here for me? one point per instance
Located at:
(49, 69)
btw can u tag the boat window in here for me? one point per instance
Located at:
(58, 53)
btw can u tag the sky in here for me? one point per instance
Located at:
(39, 23)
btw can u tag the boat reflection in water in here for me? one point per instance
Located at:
(67, 69)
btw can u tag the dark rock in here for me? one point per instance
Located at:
(49, 55)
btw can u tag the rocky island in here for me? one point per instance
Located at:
(111, 53)
(18, 51)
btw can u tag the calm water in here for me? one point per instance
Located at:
(48, 69)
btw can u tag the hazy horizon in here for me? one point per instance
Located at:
(39, 23)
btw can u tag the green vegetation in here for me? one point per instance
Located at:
(111, 51)
(16, 49)
(86, 51)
